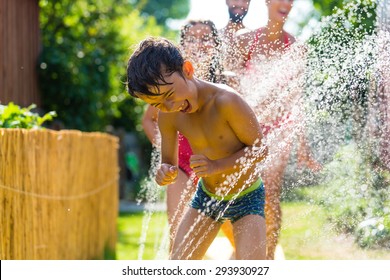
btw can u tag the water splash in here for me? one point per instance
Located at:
(329, 90)
(150, 193)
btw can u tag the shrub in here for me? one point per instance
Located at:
(13, 116)
(358, 197)
(374, 232)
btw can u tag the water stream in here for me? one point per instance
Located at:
(332, 90)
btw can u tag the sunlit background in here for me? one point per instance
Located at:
(256, 17)
(70, 57)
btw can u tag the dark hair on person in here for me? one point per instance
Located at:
(153, 59)
(216, 67)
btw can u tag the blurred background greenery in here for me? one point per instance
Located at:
(82, 73)
(82, 64)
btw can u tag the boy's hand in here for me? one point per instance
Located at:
(202, 166)
(166, 175)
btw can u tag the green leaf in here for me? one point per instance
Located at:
(13, 116)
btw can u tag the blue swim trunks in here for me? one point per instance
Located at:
(249, 202)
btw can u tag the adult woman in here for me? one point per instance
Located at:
(268, 47)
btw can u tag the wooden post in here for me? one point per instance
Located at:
(19, 50)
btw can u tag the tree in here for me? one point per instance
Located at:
(326, 7)
(343, 74)
(83, 60)
(343, 32)
(365, 10)
(163, 10)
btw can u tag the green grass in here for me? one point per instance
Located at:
(129, 234)
(301, 225)
(306, 235)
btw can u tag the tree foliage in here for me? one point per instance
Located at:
(326, 7)
(345, 32)
(85, 47)
(163, 10)
(364, 11)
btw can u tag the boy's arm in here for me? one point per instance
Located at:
(167, 172)
(243, 122)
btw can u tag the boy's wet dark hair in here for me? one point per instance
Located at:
(153, 59)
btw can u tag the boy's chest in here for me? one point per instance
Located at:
(208, 134)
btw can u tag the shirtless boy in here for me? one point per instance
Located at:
(226, 139)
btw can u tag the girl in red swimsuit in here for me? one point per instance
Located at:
(201, 44)
(257, 47)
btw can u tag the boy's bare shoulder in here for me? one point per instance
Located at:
(227, 97)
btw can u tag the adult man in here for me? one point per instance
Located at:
(237, 11)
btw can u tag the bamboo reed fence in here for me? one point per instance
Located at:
(58, 194)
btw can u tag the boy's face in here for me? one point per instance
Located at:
(180, 96)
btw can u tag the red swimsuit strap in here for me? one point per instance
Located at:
(286, 41)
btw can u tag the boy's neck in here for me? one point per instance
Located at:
(205, 92)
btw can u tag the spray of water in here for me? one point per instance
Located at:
(150, 193)
(328, 90)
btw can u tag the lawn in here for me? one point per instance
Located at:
(306, 235)
(130, 227)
